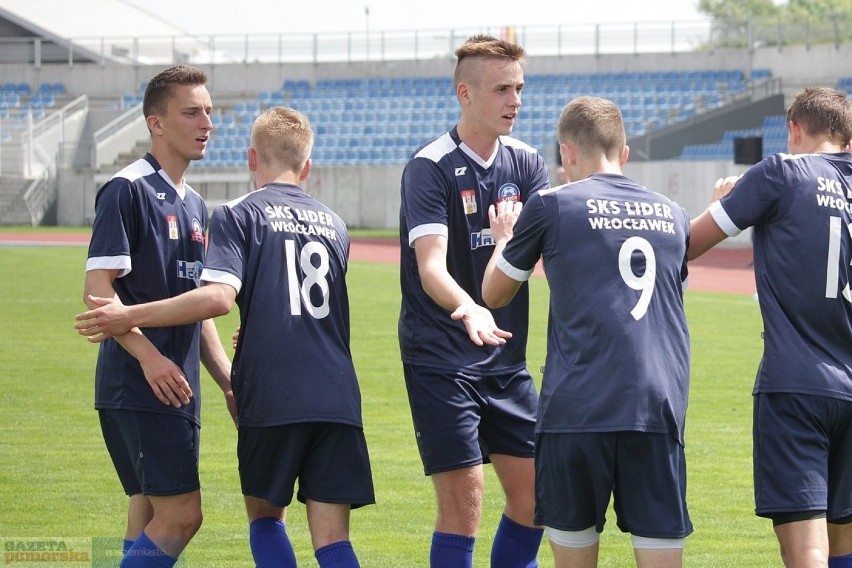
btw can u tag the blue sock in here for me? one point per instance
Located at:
(840, 561)
(126, 546)
(145, 553)
(269, 543)
(451, 550)
(515, 546)
(338, 554)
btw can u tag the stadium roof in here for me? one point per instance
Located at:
(110, 22)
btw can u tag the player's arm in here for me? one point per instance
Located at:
(165, 378)
(704, 231)
(498, 289)
(111, 318)
(431, 253)
(217, 363)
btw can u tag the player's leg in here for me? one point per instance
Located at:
(574, 549)
(270, 546)
(840, 543)
(459, 500)
(650, 553)
(335, 477)
(517, 539)
(329, 525)
(508, 433)
(574, 480)
(791, 437)
(176, 520)
(156, 457)
(839, 512)
(650, 497)
(803, 543)
(139, 514)
(445, 410)
(269, 461)
(139, 511)
(459, 504)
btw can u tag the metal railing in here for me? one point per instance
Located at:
(544, 40)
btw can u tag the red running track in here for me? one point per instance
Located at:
(720, 270)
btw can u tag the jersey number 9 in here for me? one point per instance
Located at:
(645, 282)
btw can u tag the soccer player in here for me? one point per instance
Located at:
(282, 256)
(614, 392)
(799, 207)
(472, 399)
(148, 243)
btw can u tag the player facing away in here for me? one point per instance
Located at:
(281, 256)
(472, 399)
(148, 242)
(800, 206)
(616, 378)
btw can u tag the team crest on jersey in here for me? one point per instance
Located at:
(469, 200)
(508, 192)
(197, 232)
(173, 227)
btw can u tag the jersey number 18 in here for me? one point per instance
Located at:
(313, 276)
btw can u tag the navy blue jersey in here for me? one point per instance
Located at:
(801, 210)
(617, 344)
(286, 255)
(154, 235)
(446, 190)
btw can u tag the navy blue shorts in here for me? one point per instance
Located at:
(459, 419)
(802, 455)
(153, 454)
(575, 475)
(330, 460)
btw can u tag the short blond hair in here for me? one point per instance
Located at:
(282, 136)
(479, 47)
(593, 125)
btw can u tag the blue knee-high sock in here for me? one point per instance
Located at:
(515, 546)
(840, 561)
(451, 550)
(145, 553)
(338, 554)
(126, 546)
(269, 543)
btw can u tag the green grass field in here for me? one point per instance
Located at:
(56, 480)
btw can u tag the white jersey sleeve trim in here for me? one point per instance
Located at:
(425, 230)
(120, 263)
(721, 217)
(221, 277)
(512, 272)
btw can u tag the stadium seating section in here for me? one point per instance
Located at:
(773, 131)
(19, 104)
(381, 121)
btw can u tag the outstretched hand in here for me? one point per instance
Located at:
(109, 319)
(503, 217)
(480, 325)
